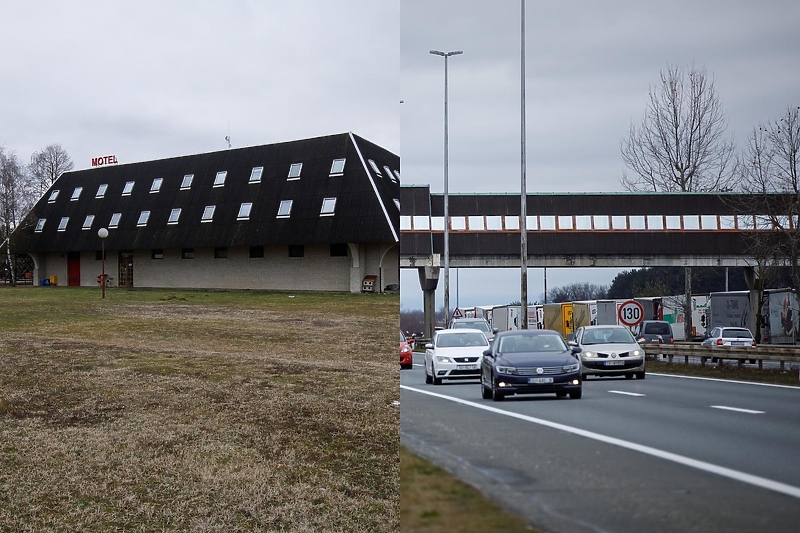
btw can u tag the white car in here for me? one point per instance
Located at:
(610, 351)
(454, 354)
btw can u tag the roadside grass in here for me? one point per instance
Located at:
(727, 370)
(160, 410)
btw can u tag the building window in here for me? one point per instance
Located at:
(375, 167)
(76, 194)
(294, 171)
(208, 213)
(255, 174)
(256, 252)
(101, 190)
(396, 175)
(40, 225)
(244, 211)
(220, 253)
(397, 203)
(187, 253)
(219, 181)
(389, 173)
(53, 196)
(296, 250)
(285, 209)
(337, 168)
(187, 182)
(328, 206)
(157, 254)
(114, 220)
(156, 185)
(88, 221)
(339, 249)
(174, 215)
(144, 216)
(128, 188)
(62, 226)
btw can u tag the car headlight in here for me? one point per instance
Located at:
(574, 367)
(406, 349)
(505, 369)
(589, 354)
(443, 359)
(636, 353)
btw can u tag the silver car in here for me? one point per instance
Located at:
(609, 351)
(454, 354)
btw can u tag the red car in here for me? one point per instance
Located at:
(406, 346)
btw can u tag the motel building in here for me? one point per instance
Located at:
(318, 214)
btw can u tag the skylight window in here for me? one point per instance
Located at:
(114, 220)
(156, 185)
(88, 221)
(294, 171)
(375, 167)
(144, 216)
(389, 173)
(187, 182)
(76, 194)
(62, 226)
(174, 215)
(101, 190)
(255, 174)
(244, 211)
(397, 203)
(285, 209)
(396, 175)
(337, 168)
(40, 225)
(328, 206)
(208, 213)
(53, 196)
(128, 188)
(219, 181)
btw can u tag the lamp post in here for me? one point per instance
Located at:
(103, 233)
(523, 185)
(445, 55)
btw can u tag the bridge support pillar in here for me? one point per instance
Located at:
(750, 277)
(428, 280)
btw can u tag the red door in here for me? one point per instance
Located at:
(74, 269)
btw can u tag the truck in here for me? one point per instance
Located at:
(558, 317)
(730, 309)
(607, 313)
(505, 317)
(674, 313)
(584, 313)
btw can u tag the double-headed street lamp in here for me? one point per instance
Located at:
(445, 55)
(103, 233)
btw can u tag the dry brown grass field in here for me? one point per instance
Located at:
(198, 411)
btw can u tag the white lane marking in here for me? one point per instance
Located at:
(758, 481)
(738, 409)
(724, 380)
(625, 393)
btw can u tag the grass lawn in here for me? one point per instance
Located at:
(155, 410)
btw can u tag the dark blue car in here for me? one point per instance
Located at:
(533, 361)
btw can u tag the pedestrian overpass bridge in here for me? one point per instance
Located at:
(621, 230)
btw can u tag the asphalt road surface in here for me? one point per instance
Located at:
(664, 454)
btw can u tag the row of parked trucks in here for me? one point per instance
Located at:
(779, 314)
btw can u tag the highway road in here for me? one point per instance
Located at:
(664, 454)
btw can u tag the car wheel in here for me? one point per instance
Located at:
(628, 376)
(486, 392)
(576, 395)
(561, 395)
(428, 378)
(640, 375)
(436, 381)
(405, 367)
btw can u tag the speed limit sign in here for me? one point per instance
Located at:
(630, 313)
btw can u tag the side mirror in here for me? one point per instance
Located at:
(429, 346)
(572, 343)
(495, 330)
(487, 353)
(576, 350)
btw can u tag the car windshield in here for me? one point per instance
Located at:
(736, 334)
(531, 343)
(607, 336)
(478, 324)
(461, 339)
(657, 328)
(402, 337)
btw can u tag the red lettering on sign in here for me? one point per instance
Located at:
(104, 160)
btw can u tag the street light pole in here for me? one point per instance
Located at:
(445, 55)
(103, 233)
(523, 187)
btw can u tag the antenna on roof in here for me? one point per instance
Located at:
(228, 136)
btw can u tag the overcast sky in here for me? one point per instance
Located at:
(589, 66)
(152, 79)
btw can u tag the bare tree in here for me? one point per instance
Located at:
(770, 172)
(15, 201)
(578, 291)
(46, 166)
(680, 145)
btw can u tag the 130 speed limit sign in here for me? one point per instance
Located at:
(630, 313)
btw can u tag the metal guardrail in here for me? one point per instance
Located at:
(759, 354)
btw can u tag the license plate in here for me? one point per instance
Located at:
(539, 381)
(615, 363)
(468, 367)
(737, 343)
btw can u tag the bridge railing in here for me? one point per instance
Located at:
(740, 354)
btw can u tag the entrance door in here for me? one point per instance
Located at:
(74, 269)
(125, 269)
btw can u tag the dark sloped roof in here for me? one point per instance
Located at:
(365, 208)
